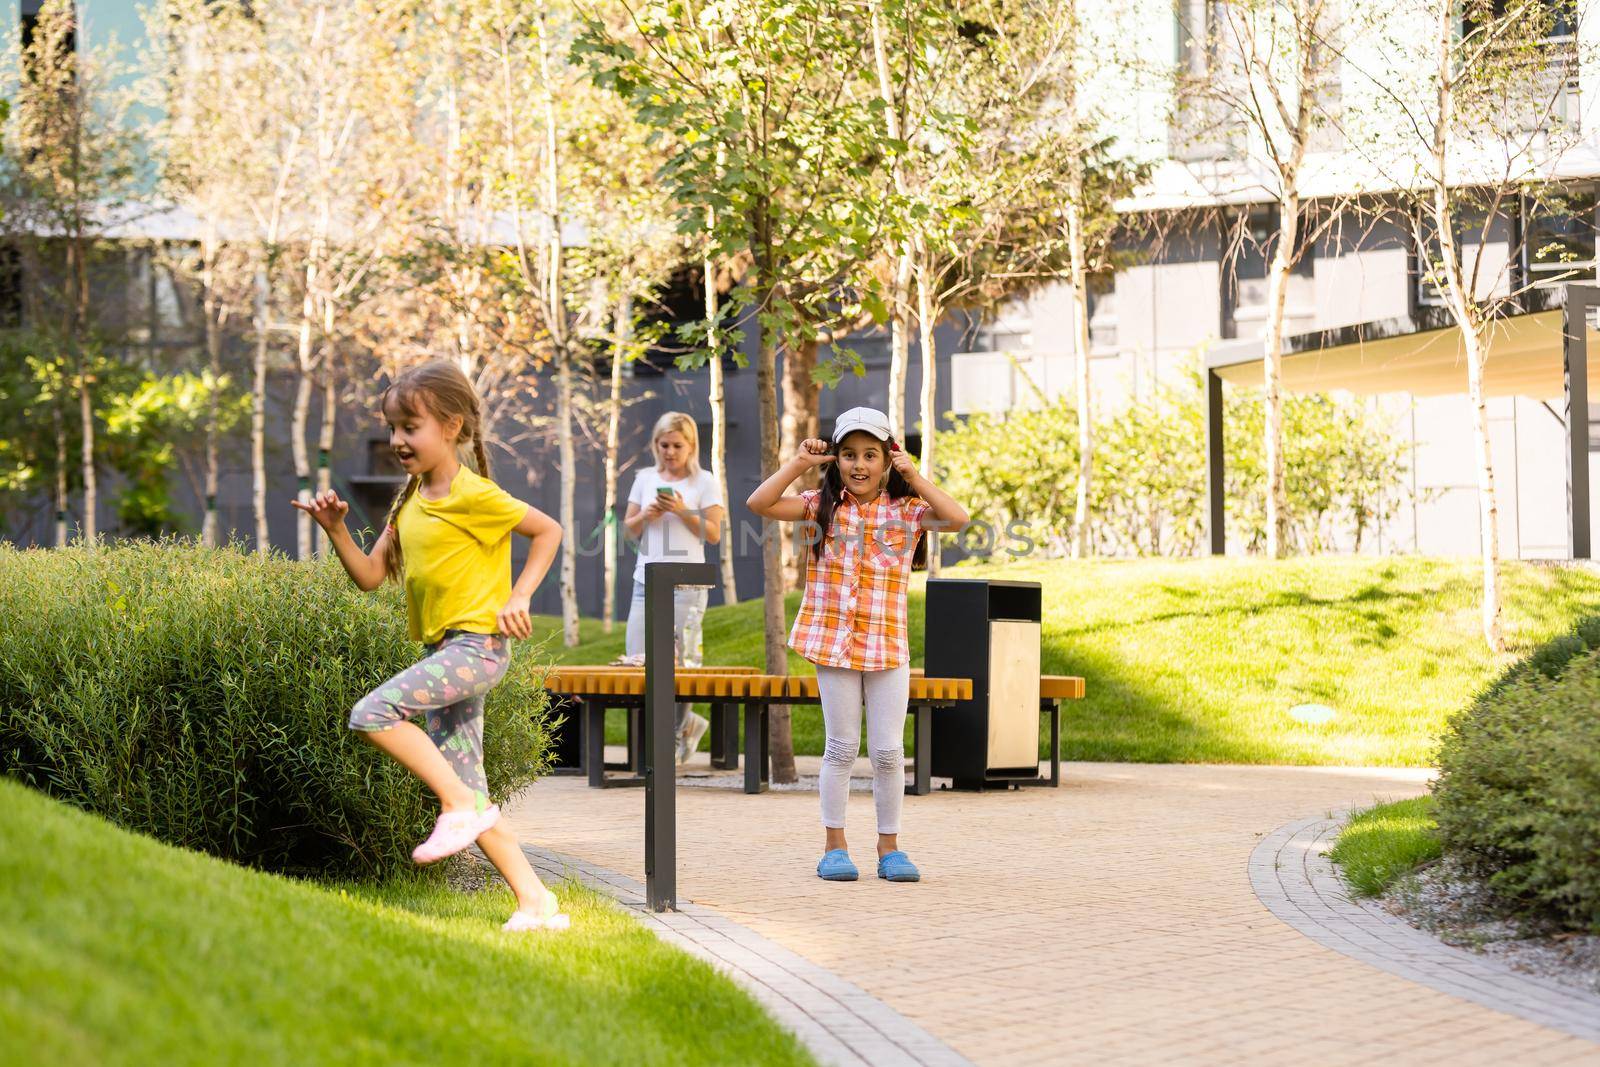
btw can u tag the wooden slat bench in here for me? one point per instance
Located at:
(575, 682)
(598, 689)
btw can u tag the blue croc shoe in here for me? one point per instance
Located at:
(835, 866)
(897, 867)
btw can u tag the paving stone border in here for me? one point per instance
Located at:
(1293, 877)
(838, 1021)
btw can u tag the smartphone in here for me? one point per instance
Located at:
(662, 490)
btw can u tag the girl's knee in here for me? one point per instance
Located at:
(840, 752)
(372, 715)
(889, 759)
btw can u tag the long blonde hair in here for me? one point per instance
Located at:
(677, 420)
(439, 388)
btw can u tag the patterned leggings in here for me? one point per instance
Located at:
(447, 686)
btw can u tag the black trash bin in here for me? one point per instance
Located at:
(987, 631)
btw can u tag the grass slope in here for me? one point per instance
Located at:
(1200, 660)
(1381, 843)
(119, 950)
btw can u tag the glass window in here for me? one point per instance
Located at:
(1560, 238)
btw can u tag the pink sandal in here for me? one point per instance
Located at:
(453, 832)
(551, 919)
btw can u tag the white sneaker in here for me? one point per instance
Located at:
(694, 728)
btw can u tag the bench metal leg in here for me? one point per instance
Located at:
(1051, 708)
(921, 761)
(636, 739)
(755, 748)
(594, 742)
(725, 736)
(1055, 744)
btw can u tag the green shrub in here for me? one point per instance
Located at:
(1518, 794)
(201, 696)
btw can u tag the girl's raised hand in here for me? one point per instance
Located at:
(513, 618)
(902, 463)
(326, 508)
(814, 452)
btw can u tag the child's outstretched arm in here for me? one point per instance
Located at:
(769, 500)
(365, 568)
(545, 533)
(945, 515)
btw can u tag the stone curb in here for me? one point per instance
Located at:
(1293, 877)
(840, 1023)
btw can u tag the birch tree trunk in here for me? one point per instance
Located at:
(556, 323)
(213, 342)
(61, 473)
(299, 420)
(569, 559)
(719, 434)
(330, 419)
(258, 408)
(899, 343)
(927, 319)
(1077, 243)
(1272, 368)
(780, 731)
(624, 337)
(899, 296)
(1477, 345)
(91, 489)
(1474, 325)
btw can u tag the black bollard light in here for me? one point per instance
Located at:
(660, 699)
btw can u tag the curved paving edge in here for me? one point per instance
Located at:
(1293, 877)
(840, 1023)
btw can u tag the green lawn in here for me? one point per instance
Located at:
(119, 950)
(1381, 843)
(1200, 660)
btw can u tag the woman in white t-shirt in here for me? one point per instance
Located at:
(674, 511)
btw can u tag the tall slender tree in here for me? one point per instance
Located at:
(775, 135)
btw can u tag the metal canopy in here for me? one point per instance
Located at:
(1542, 352)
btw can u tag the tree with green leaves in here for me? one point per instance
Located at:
(777, 147)
(1469, 117)
(71, 161)
(1268, 69)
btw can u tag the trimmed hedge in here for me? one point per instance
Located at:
(200, 696)
(1518, 793)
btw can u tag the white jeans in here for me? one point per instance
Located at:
(688, 612)
(885, 695)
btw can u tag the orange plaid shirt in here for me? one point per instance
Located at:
(853, 611)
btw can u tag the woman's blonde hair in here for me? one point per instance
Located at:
(439, 388)
(677, 420)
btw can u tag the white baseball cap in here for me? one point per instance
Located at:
(871, 420)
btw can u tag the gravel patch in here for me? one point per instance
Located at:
(1449, 902)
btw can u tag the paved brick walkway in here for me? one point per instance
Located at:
(1112, 920)
(1297, 882)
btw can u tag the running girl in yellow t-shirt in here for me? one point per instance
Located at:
(455, 527)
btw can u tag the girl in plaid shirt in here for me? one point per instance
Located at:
(865, 531)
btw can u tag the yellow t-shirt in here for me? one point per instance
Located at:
(457, 554)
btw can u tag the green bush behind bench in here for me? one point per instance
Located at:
(200, 696)
(1518, 794)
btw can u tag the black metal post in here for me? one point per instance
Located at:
(1575, 363)
(1215, 465)
(660, 718)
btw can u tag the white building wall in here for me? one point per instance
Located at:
(1168, 308)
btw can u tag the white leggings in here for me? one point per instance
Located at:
(885, 694)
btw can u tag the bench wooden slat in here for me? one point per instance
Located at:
(800, 687)
(1060, 687)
